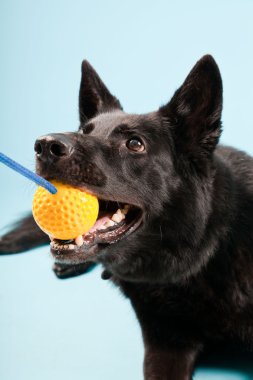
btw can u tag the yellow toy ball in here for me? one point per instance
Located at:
(67, 214)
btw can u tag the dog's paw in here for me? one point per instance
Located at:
(9, 245)
(64, 271)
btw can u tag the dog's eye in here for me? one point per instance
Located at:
(135, 144)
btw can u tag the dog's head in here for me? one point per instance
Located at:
(152, 174)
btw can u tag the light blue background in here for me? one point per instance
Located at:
(83, 328)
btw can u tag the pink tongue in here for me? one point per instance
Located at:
(99, 223)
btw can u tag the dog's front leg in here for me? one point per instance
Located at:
(174, 364)
(23, 236)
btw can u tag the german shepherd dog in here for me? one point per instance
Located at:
(181, 244)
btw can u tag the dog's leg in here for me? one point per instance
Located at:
(23, 236)
(169, 365)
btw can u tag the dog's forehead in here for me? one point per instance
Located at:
(105, 123)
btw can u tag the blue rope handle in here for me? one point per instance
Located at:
(27, 173)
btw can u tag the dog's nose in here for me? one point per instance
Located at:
(53, 146)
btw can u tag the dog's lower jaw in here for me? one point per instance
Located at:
(76, 256)
(64, 271)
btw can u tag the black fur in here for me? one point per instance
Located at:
(23, 236)
(188, 269)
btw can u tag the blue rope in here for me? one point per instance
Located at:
(27, 173)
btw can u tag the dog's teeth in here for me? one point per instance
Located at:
(125, 209)
(79, 240)
(118, 216)
(109, 223)
(120, 212)
(103, 227)
(61, 247)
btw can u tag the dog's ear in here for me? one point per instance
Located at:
(194, 112)
(94, 97)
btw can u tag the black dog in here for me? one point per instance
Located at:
(180, 246)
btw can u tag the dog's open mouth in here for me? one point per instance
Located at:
(115, 221)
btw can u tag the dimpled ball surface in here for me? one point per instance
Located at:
(64, 215)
